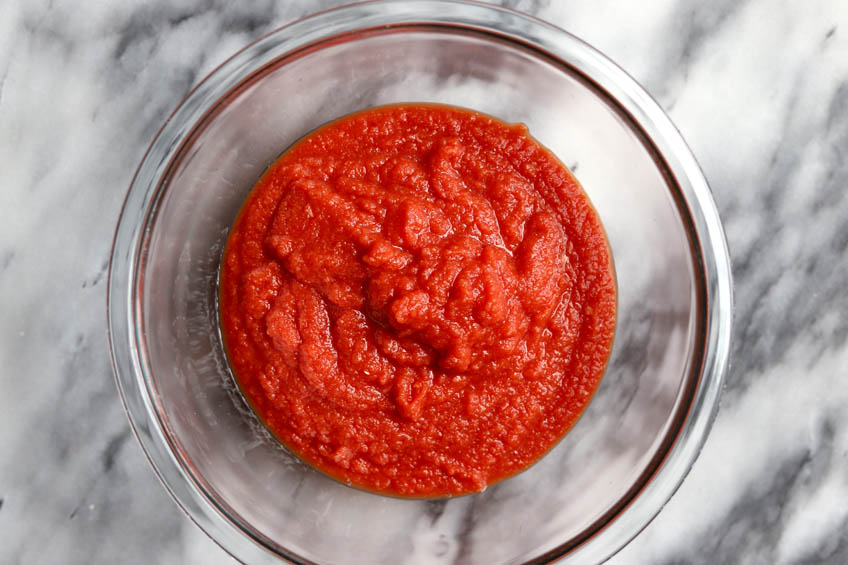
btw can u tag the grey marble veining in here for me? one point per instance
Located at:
(758, 88)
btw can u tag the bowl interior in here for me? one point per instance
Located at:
(297, 512)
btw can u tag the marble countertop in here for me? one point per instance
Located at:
(758, 88)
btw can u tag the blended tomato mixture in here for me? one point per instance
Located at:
(418, 300)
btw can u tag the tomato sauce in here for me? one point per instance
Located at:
(418, 300)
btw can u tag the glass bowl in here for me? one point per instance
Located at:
(642, 431)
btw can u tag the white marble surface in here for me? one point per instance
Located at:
(759, 88)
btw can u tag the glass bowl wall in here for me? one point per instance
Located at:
(631, 449)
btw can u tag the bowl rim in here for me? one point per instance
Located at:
(695, 201)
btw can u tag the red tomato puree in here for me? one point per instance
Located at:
(418, 300)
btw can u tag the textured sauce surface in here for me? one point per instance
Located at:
(418, 300)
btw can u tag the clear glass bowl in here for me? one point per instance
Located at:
(641, 433)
